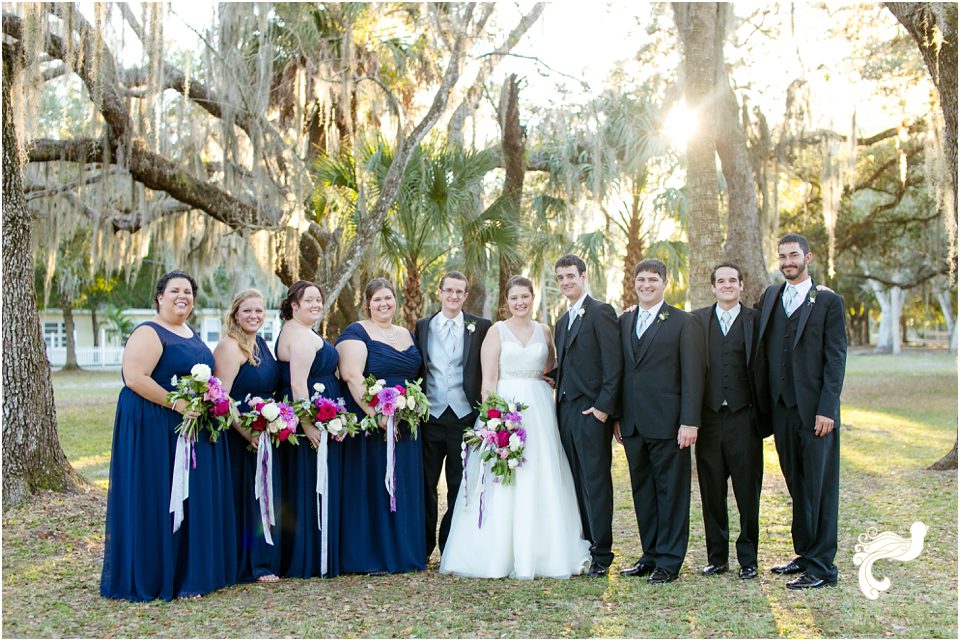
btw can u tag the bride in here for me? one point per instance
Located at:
(531, 527)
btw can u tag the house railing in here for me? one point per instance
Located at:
(102, 356)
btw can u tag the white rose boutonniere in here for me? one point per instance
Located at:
(662, 316)
(812, 297)
(471, 327)
(581, 312)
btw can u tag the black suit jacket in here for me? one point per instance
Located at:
(752, 347)
(588, 356)
(472, 377)
(819, 351)
(663, 384)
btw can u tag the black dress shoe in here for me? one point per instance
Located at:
(639, 569)
(747, 572)
(793, 567)
(809, 582)
(596, 570)
(661, 576)
(712, 569)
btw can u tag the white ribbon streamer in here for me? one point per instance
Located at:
(323, 507)
(263, 485)
(388, 479)
(180, 486)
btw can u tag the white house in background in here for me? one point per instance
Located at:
(208, 322)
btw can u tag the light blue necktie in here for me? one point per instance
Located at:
(725, 322)
(789, 296)
(642, 323)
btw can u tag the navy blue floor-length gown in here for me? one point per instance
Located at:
(255, 557)
(374, 539)
(301, 538)
(143, 558)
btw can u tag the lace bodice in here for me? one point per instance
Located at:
(518, 360)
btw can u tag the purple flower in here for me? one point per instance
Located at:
(388, 395)
(513, 416)
(521, 433)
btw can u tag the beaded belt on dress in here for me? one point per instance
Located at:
(522, 373)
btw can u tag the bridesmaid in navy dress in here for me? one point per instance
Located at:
(143, 558)
(305, 359)
(246, 367)
(376, 540)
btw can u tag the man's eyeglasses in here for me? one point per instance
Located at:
(459, 293)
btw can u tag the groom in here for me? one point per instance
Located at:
(589, 369)
(449, 342)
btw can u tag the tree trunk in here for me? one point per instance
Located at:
(32, 456)
(949, 460)
(697, 24)
(515, 169)
(743, 245)
(946, 306)
(884, 331)
(635, 249)
(477, 289)
(95, 326)
(70, 332)
(412, 296)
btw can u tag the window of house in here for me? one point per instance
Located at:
(211, 330)
(54, 334)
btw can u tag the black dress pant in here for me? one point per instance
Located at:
(660, 480)
(728, 447)
(811, 468)
(588, 444)
(441, 438)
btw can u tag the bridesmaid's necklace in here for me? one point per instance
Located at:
(391, 337)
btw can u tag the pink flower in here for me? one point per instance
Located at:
(221, 407)
(401, 389)
(493, 413)
(388, 409)
(326, 410)
(284, 435)
(503, 438)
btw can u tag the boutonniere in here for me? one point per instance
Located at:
(471, 327)
(662, 316)
(812, 297)
(581, 312)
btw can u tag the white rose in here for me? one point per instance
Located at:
(493, 422)
(274, 427)
(381, 382)
(375, 389)
(512, 407)
(173, 381)
(401, 403)
(320, 387)
(335, 426)
(201, 372)
(513, 463)
(411, 403)
(270, 411)
(515, 443)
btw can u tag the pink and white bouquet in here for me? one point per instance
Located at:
(204, 395)
(499, 437)
(328, 414)
(267, 416)
(399, 403)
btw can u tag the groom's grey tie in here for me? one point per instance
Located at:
(571, 316)
(449, 336)
(725, 322)
(642, 323)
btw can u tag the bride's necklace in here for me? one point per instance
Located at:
(391, 337)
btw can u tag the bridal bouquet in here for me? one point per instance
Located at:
(499, 437)
(399, 403)
(328, 415)
(276, 419)
(205, 395)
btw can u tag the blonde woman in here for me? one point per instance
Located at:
(246, 368)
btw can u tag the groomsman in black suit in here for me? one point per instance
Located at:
(449, 341)
(730, 441)
(588, 383)
(806, 345)
(663, 376)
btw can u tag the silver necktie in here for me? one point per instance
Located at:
(642, 323)
(725, 322)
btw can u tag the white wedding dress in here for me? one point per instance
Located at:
(530, 528)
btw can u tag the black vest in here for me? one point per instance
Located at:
(780, 339)
(727, 376)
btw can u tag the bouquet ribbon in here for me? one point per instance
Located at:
(323, 507)
(263, 485)
(390, 478)
(185, 457)
(479, 488)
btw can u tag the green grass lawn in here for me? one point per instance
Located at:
(900, 415)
